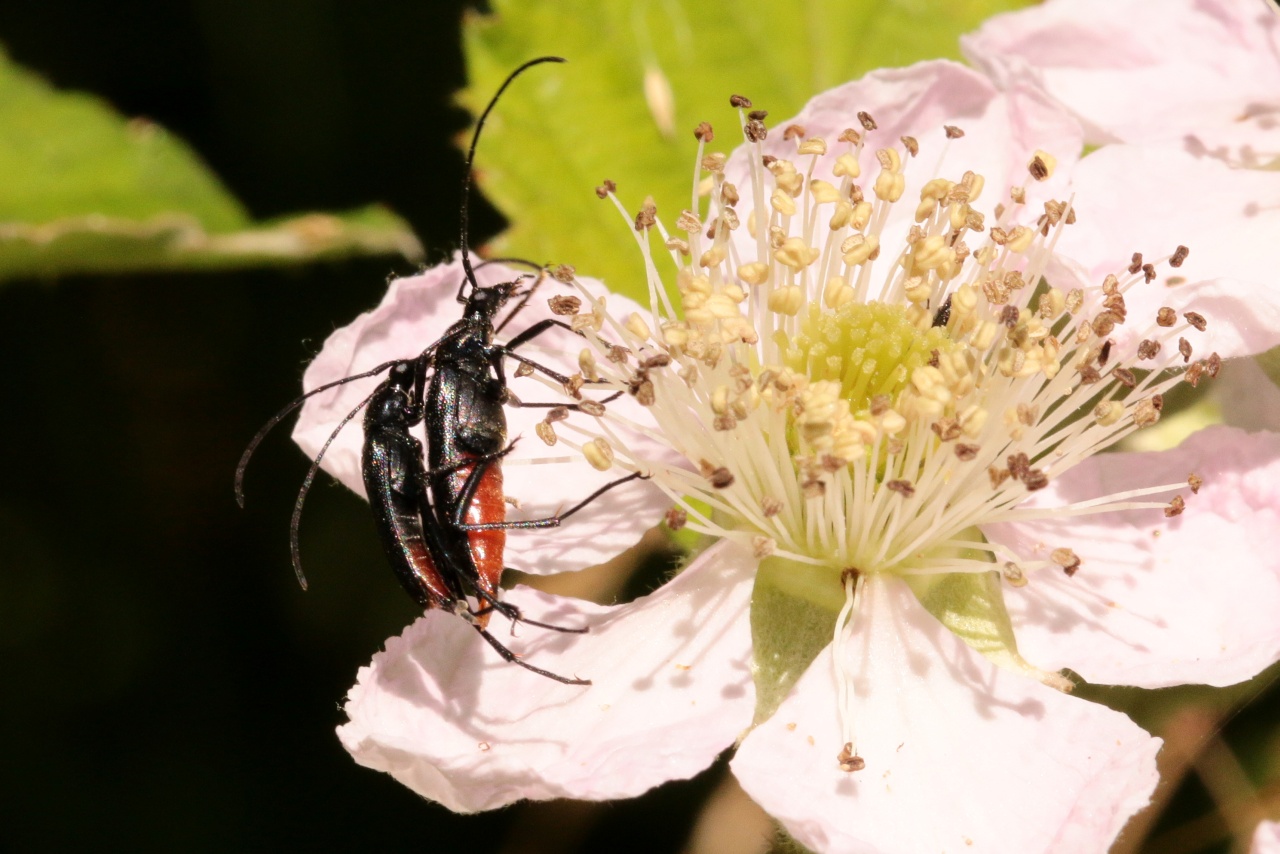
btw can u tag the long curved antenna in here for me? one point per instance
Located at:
(294, 550)
(471, 156)
(284, 413)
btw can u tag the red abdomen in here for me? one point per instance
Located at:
(487, 547)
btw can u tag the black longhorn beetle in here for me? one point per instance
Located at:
(442, 519)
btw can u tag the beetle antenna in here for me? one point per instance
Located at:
(294, 551)
(471, 156)
(284, 413)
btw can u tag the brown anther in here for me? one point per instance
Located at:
(1019, 464)
(849, 135)
(647, 217)
(1066, 559)
(902, 487)
(1089, 374)
(997, 476)
(1149, 273)
(910, 144)
(604, 190)
(724, 422)
(657, 360)
(934, 356)
(1175, 508)
(728, 194)
(952, 131)
(643, 391)
(755, 131)
(1213, 364)
(1148, 349)
(1196, 320)
(618, 354)
(564, 273)
(1145, 413)
(557, 413)
(1018, 195)
(1038, 168)
(742, 102)
(720, 478)
(1157, 402)
(1136, 264)
(1184, 348)
(966, 452)
(831, 463)
(793, 132)
(703, 132)
(1035, 479)
(545, 432)
(770, 506)
(564, 305)
(1105, 353)
(1009, 316)
(524, 370)
(1125, 377)
(868, 123)
(758, 115)
(1166, 317)
(849, 761)
(880, 404)
(574, 386)
(592, 407)
(676, 518)
(948, 429)
(1195, 481)
(1193, 374)
(1179, 255)
(813, 487)
(1105, 323)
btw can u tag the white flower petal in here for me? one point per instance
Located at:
(1136, 199)
(960, 755)
(1157, 601)
(1266, 839)
(671, 689)
(1199, 73)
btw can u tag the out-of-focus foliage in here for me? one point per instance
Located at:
(641, 76)
(84, 190)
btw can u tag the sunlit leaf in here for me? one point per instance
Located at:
(641, 76)
(83, 190)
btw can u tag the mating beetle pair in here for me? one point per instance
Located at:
(441, 517)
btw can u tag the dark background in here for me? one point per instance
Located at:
(166, 684)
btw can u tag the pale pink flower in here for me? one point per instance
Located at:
(1201, 75)
(1266, 839)
(855, 448)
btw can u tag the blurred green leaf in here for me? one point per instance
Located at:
(86, 190)
(562, 130)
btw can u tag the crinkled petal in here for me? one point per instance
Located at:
(416, 312)
(1201, 73)
(440, 712)
(1156, 601)
(1266, 839)
(1137, 199)
(1002, 130)
(960, 755)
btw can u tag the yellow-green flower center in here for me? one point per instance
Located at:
(869, 348)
